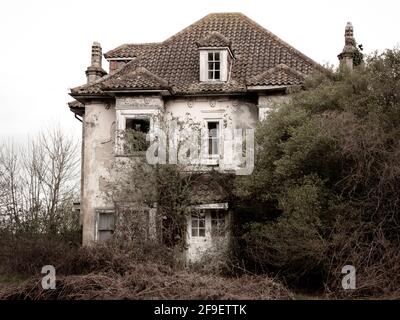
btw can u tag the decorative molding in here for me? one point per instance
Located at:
(223, 205)
(213, 111)
(238, 110)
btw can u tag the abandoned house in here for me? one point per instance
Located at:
(225, 70)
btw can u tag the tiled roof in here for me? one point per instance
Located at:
(276, 76)
(75, 104)
(176, 60)
(131, 50)
(134, 77)
(214, 39)
(77, 107)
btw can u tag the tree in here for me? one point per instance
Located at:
(327, 166)
(39, 184)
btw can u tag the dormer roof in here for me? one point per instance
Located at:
(214, 39)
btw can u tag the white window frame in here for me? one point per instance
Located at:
(198, 215)
(98, 213)
(205, 208)
(214, 61)
(212, 159)
(122, 116)
(223, 56)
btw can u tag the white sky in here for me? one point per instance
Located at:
(45, 45)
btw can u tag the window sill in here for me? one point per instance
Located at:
(214, 81)
(213, 161)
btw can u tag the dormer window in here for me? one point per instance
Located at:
(215, 58)
(214, 65)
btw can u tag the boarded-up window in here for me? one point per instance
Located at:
(106, 226)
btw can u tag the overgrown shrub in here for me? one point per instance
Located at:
(327, 164)
(26, 255)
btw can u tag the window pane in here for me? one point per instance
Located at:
(218, 223)
(210, 75)
(105, 235)
(212, 125)
(202, 232)
(201, 223)
(106, 221)
(214, 146)
(135, 135)
(195, 232)
(216, 56)
(216, 66)
(140, 125)
(213, 135)
(216, 75)
(210, 56)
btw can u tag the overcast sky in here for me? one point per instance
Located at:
(45, 45)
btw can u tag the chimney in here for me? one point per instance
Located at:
(346, 56)
(95, 71)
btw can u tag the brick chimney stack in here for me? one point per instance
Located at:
(95, 71)
(346, 56)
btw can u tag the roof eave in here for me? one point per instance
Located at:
(82, 97)
(163, 92)
(217, 48)
(270, 88)
(77, 111)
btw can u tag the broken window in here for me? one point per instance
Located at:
(106, 226)
(217, 223)
(198, 224)
(136, 130)
(213, 137)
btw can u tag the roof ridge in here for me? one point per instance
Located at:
(280, 66)
(147, 72)
(126, 45)
(189, 27)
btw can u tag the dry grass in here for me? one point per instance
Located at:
(149, 281)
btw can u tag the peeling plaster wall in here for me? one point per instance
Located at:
(98, 155)
(235, 112)
(267, 103)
